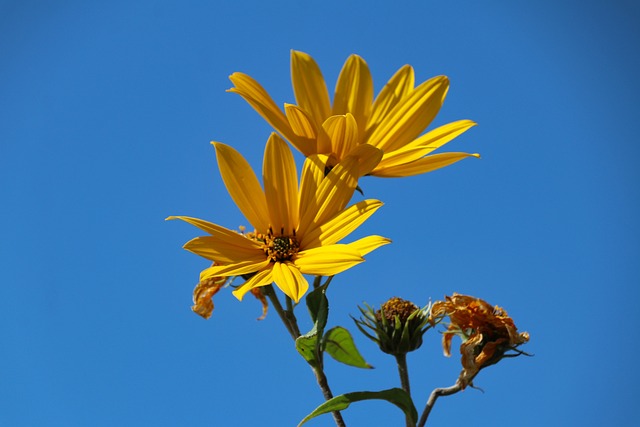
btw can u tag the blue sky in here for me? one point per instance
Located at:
(106, 113)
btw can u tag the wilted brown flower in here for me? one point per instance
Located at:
(487, 333)
(207, 288)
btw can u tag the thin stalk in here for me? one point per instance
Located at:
(321, 378)
(292, 328)
(316, 281)
(329, 279)
(432, 400)
(292, 317)
(403, 372)
(290, 322)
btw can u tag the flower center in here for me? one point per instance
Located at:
(281, 248)
(396, 307)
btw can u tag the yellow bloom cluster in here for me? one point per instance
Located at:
(393, 122)
(299, 224)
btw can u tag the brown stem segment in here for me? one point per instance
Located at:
(435, 394)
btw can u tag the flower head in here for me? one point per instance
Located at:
(393, 122)
(297, 228)
(487, 333)
(398, 325)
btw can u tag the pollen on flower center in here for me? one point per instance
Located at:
(396, 307)
(281, 248)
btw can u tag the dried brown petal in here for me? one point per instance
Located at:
(487, 332)
(203, 294)
(257, 292)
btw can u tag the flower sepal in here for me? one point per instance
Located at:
(397, 327)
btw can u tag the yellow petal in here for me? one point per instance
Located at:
(313, 172)
(314, 140)
(333, 193)
(411, 116)
(218, 249)
(425, 144)
(243, 186)
(309, 86)
(424, 165)
(259, 99)
(368, 244)
(354, 92)
(438, 137)
(368, 158)
(340, 225)
(237, 269)
(261, 278)
(343, 133)
(289, 279)
(397, 88)
(327, 260)
(281, 185)
(227, 236)
(301, 123)
(401, 157)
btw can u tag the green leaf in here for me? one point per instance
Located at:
(318, 306)
(397, 396)
(307, 345)
(339, 344)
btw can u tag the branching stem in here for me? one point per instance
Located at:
(291, 323)
(435, 394)
(287, 317)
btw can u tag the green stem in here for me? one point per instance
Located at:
(290, 322)
(287, 317)
(316, 282)
(292, 317)
(321, 378)
(403, 372)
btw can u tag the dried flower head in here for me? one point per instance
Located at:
(487, 333)
(398, 325)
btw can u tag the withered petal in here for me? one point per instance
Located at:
(203, 295)
(257, 292)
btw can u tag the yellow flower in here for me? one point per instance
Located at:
(297, 229)
(487, 333)
(393, 122)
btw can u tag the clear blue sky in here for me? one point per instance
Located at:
(106, 113)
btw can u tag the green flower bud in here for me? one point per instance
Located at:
(397, 327)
